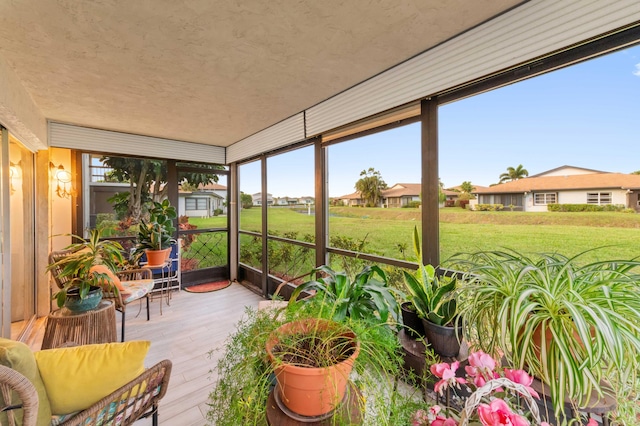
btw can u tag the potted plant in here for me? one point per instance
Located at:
(312, 360)
(246, 377)
(588, 313)
(81, 287)
(156, 236)
(367, 296)
(434, 300)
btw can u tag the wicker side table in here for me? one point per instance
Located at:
(95, 326)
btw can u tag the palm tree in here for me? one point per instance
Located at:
(513, 174)
(370, 186)
(467, 187)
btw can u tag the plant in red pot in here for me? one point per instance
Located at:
(155, 236)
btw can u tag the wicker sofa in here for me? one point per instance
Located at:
(27, 386)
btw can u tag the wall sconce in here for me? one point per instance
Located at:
(63, 180)
(14, 173)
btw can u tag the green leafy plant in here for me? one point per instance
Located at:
(432, 296)
(75, 269)
(245, 377)
(366, 296)
(156, 234)
(587, 318)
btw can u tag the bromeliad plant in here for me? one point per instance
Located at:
(572, 325)
(432, 296)
(367, 296)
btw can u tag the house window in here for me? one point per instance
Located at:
(544, 198)
(598, 198)
(192, 203)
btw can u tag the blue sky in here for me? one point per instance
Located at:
(586, 115)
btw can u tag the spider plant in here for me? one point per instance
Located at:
(587, 314)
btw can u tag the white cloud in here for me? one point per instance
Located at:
(637, 71)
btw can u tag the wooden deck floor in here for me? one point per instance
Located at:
(188, 329)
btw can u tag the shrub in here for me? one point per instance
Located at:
(489, 207)
(217, 212)
(412, 205)
(585, 208)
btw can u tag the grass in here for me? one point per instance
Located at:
(465, 231)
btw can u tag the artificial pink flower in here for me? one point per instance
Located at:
(592, 422)
(433, 411)
(480, 368)
(482, 362)
(498, 413)
(443, 421)
(521, 377)
(448, 375)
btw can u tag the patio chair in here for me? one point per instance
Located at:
(134, 284)
(32, 393)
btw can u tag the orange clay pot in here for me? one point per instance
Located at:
(157, 257)
(311, 391)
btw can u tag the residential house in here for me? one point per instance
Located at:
(401, 194)
(563, 185)
(351, 200)
(204, 201)
(257, 199)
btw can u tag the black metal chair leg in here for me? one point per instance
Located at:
(122, 331)
(148, 307)
(154, 417)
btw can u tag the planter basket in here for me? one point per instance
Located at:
(476, 398)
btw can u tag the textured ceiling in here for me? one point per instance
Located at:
(212, 71)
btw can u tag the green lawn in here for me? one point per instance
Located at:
(464, 231)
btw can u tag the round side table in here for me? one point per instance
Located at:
(95, 326)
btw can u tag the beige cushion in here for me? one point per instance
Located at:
(18, 356)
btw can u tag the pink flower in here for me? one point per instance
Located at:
(592, 422)
(443, 421)
(498, 413)
(544, 424)
(448, 375)
(480, 368)
(482, 362)
(433, 411)
(521, 377)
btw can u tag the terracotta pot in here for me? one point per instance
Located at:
(311, 391)
(157, 257)
(411, 320)
(536, 339)
(443, 340)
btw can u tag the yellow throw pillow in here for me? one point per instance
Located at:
(18, 356)
(76, 378)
